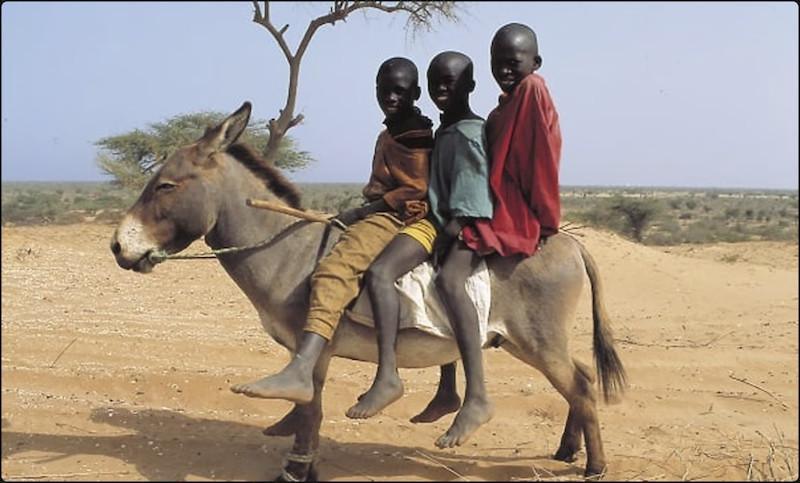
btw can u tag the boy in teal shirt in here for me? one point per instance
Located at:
(458, 193)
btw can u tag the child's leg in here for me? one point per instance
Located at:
(460, 263)
(401, 255)
(446, 399)
(334, 284)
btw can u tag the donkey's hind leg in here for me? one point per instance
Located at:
(573, 429)
(571, 439)
(574, 382)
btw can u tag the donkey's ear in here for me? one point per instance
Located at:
(228, 131)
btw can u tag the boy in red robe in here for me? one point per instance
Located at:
(524, 150)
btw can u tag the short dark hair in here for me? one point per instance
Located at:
(468, 70)
(398, 63)
(517, 28)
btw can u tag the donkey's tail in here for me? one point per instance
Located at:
(609, 366)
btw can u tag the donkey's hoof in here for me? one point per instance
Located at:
(595, 472)
(309, 475)
(567, 455)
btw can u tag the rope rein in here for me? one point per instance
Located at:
(158, 256)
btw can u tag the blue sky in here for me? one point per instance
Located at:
(656, 94)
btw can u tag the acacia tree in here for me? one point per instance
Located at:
(131, 158)
(637, 214)
(420, 16)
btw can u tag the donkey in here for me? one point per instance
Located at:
(201, 191)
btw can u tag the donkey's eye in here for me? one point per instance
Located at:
(165, 187)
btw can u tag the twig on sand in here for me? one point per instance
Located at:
(691, 345)
(64, 425)
(771, 455)
(745, 381)
(750, 468)
(536, 473)
(434, 460)
(52, 364)
(686, 473)
(783, 446)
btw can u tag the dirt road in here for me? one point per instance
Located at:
(114, 375)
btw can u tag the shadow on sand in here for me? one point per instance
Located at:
(169, 445)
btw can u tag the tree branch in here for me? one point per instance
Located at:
(420, 14)
(297, 120)
(264, 20)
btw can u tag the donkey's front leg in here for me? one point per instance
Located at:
(300, 460)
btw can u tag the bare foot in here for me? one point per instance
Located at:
(440, 405)
(384, 391)
(283, 385)
(472, 416)
(287, 426)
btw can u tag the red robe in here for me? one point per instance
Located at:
(524, 141)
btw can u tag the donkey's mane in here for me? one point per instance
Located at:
(272, 177)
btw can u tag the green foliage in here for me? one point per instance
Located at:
(637, 214)
(61, 203)
(331, 197)
(713, 215)
(628, 215)
(132, 158)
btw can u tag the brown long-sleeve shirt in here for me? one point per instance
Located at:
(400, 172)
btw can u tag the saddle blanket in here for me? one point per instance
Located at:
(421, 307)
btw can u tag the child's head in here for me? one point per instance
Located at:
(450, 80)
(397, 87)
(515, 54)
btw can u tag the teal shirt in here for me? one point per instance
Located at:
(459, 181)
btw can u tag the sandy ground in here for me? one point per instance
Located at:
(114, 375)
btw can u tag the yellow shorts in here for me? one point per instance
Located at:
(422, 231)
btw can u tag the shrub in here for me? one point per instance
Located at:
(637, 214)
(731, 213)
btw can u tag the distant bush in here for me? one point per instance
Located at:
(331, 198)
(624, 215)
(731, 213)
(730, 258)
(637, 214)
(60, 203)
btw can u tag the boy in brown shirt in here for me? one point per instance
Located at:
(395, 196)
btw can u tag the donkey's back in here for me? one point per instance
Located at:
(532, 298)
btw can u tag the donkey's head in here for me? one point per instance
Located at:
(181, 202)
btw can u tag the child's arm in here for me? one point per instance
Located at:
(546, 152)
(348, 217)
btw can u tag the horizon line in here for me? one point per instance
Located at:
(563, 186)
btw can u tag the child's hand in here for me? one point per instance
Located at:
(348, 217)
(449, 234)
(437, 257)
(441, 246)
